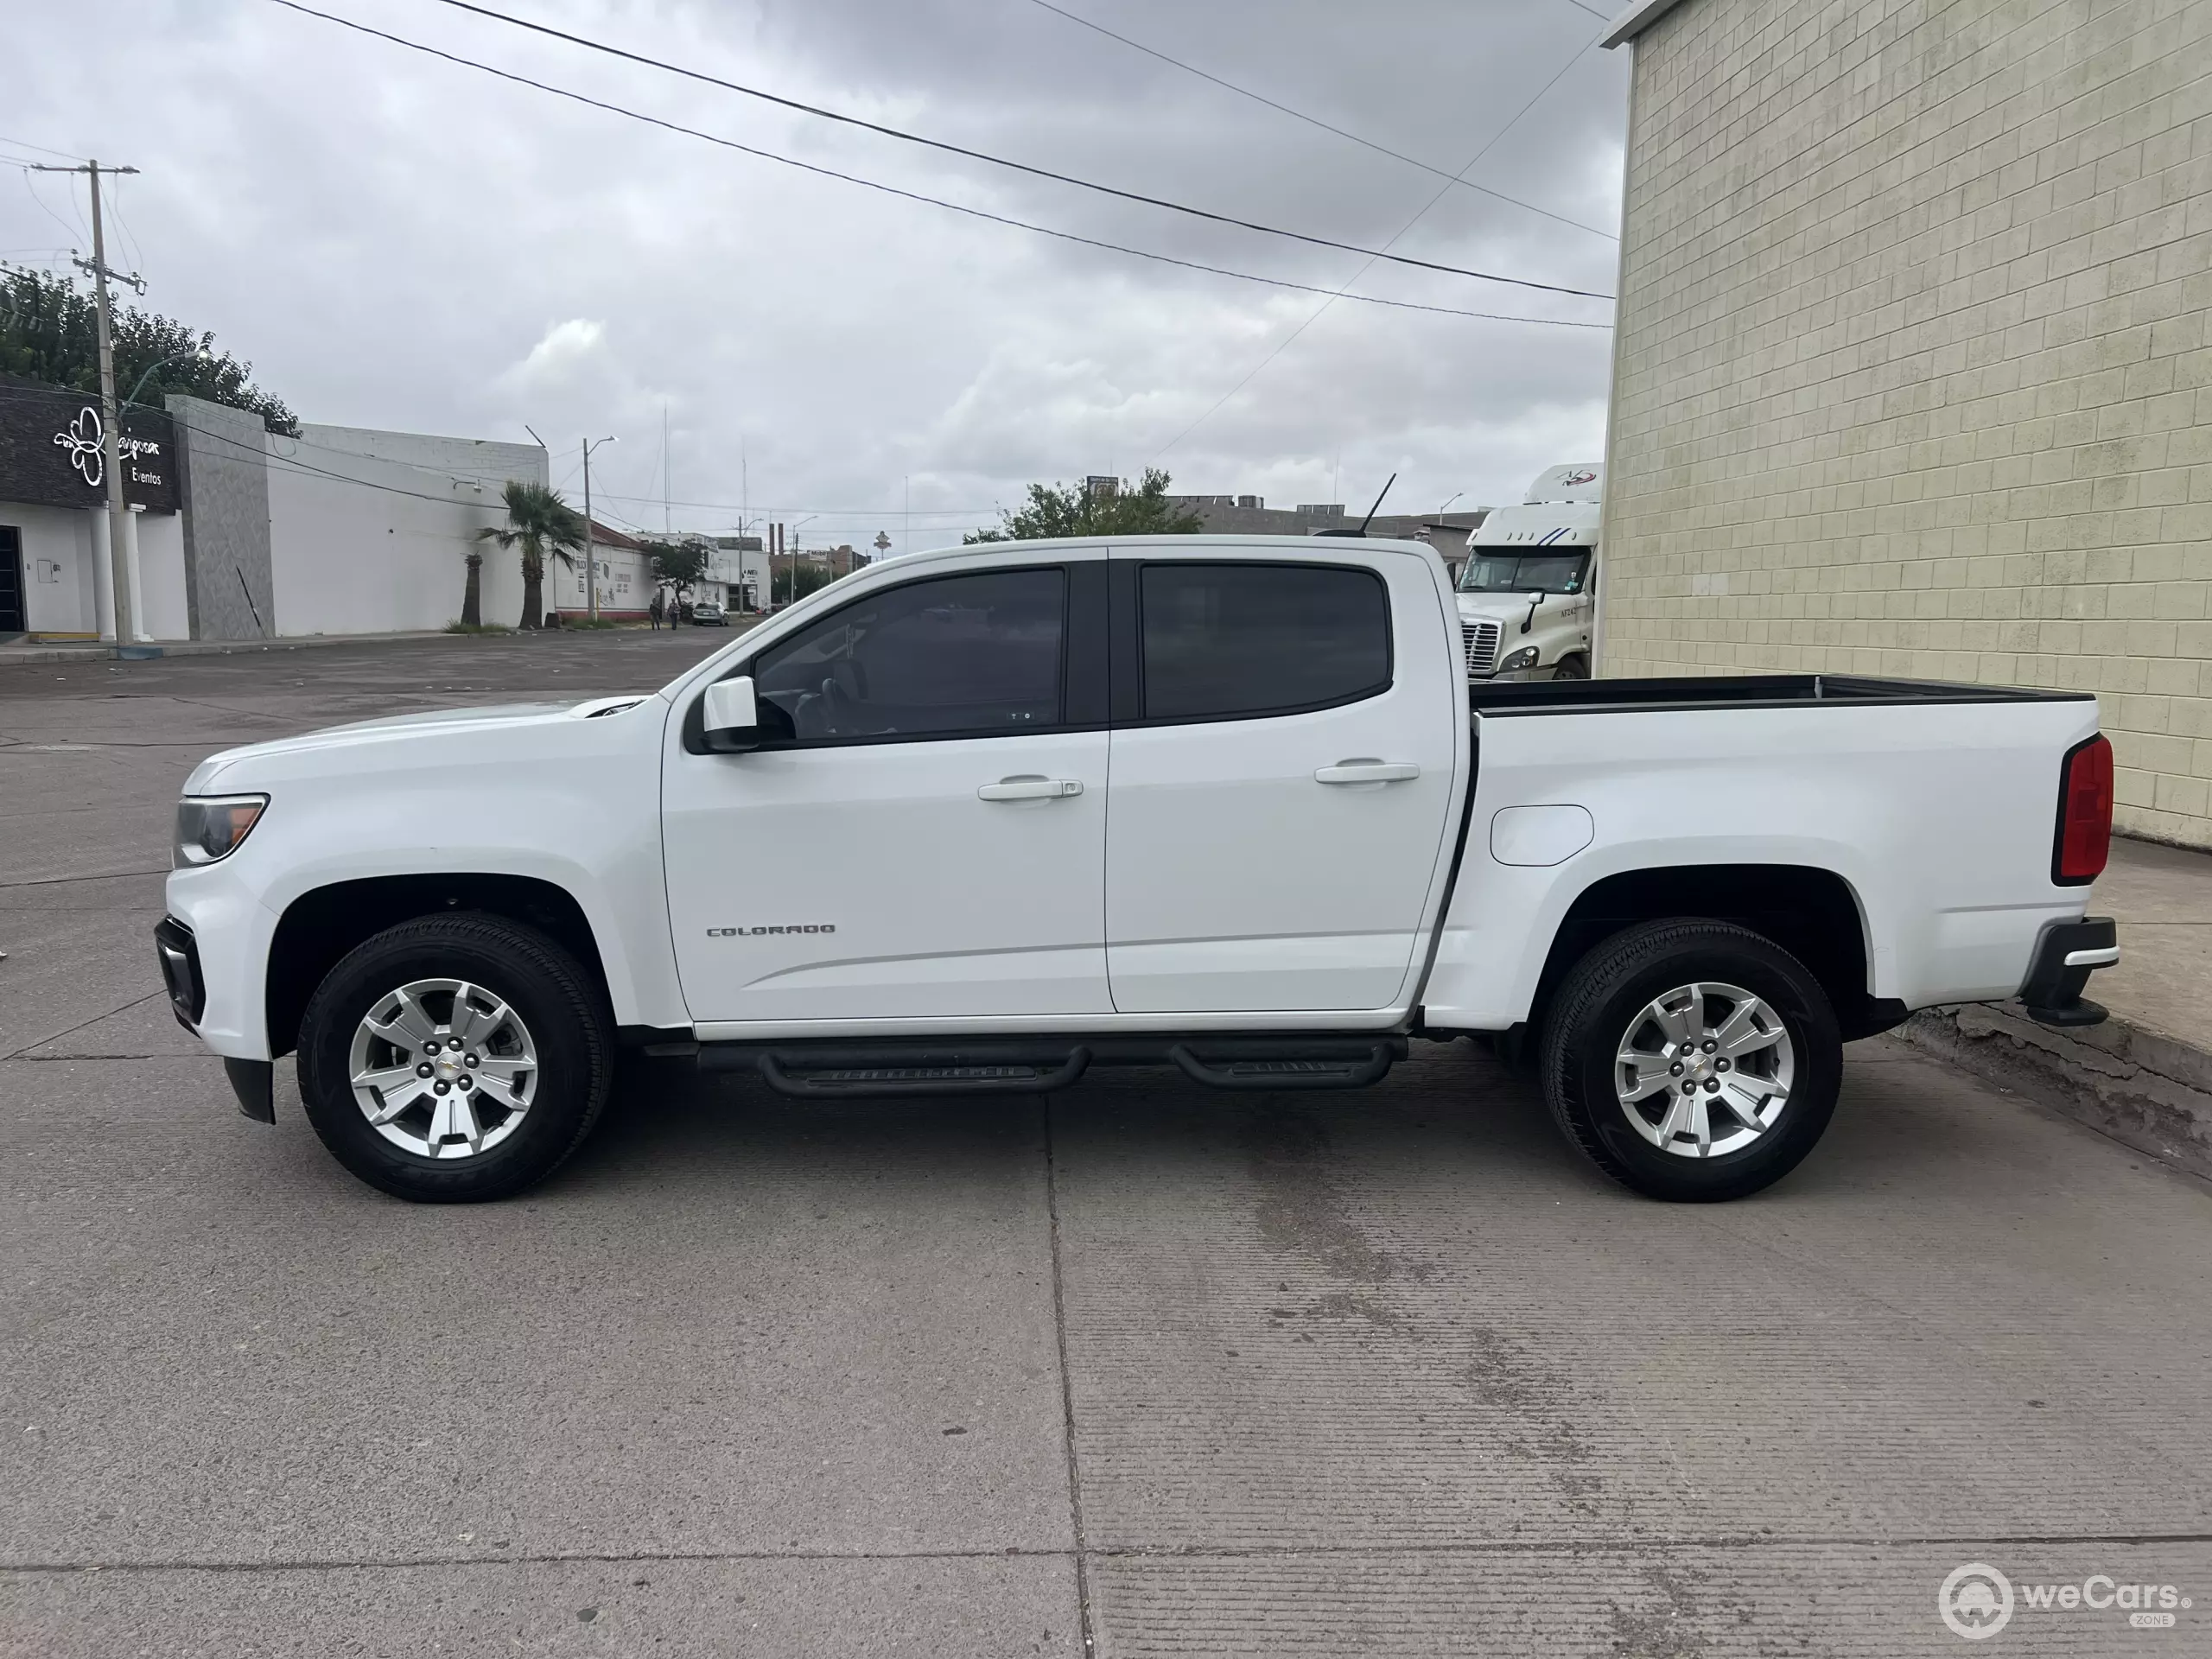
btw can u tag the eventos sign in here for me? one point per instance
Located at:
(53, 453)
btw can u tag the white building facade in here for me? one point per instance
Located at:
(341, 529)
(54, 528)
(625, 579)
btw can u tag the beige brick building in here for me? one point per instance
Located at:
(1913, 374)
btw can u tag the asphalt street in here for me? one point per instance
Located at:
(1165, 1371)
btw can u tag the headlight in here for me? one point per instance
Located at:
(209, 827)
(1524, 657)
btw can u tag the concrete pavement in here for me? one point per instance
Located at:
(1167, 1371)
(2144, 1076)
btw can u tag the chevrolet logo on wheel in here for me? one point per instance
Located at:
(749, 932)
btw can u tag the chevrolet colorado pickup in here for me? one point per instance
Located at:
(974, 821)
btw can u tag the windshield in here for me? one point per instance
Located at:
(1491, 571)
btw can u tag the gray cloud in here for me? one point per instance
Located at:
(396, 242)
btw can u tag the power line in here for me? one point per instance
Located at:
(138, 253)
(1488, 144)
(277, 459)
(1602, 17)
(981, 156)
(913, 195)
(1315, 121)
(77, 229)
(25, 144)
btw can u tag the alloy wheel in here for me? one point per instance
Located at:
(1703, 1069)
(443, 1068)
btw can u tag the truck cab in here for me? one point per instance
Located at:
(1528, 591)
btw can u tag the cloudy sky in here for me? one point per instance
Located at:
(396, 241)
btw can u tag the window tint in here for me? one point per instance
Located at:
(1223, 639)
(957, 655)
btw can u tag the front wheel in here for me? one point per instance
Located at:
(455, 1057)
(1692, 1060)
(1572, 667)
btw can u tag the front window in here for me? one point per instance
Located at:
(963, 656)
(1499, 571)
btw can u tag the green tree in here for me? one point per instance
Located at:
(1069, 510)
(540, 523)
(809, 579)
(677, 566)
(47, 332)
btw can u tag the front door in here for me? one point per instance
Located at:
(1283, 772)
(11, 580)
(924, 837)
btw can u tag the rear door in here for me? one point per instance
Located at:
(1283, 769)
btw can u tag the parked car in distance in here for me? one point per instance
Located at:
(1223, 803)
(709, 616)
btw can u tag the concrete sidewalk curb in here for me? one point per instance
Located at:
(28, 655)
(2145, 1090)
(31, 656)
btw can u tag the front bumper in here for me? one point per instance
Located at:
(178, 952)
(2066, 955)
(177, 949)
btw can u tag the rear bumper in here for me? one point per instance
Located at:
(2066, 955)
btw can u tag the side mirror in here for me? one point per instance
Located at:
(730, 719)
(1529, 620)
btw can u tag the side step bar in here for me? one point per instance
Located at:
(830, 1072)
(1037, 1065)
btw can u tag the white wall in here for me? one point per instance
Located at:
(478, 459)
(626, 583)
(160, 575)
(377, 543)
(57, 568)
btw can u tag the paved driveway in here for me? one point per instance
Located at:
(1166, 1371)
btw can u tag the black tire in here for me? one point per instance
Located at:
(562, 1009)
(1590, 1022)
(1574, 666)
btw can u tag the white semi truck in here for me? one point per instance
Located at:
(1528, 593)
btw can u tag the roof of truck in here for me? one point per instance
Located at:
(1543, 524)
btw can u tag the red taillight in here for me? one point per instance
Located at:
(2084, 813)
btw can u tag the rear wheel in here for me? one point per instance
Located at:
(1692, 1060)
(455, 1059)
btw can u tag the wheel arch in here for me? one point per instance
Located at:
(1813, 913)
(321, 926)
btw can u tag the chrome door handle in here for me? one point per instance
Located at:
(1030, 789)
(1367, 772)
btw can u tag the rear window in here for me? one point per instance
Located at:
(1226, 640)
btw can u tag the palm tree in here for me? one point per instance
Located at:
(538, 522)
(472, 596)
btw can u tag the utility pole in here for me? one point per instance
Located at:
(119, 528)
(591, 559)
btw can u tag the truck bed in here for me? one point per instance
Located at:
(1736, 691)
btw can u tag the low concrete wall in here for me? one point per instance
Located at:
(2143, 1090)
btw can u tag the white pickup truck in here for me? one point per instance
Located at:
(1221, 804)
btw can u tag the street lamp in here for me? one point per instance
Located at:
(1454, 496)
(158, 362)
(591, 559)
(792, 547)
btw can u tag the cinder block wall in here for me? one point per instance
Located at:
(1913, 375)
